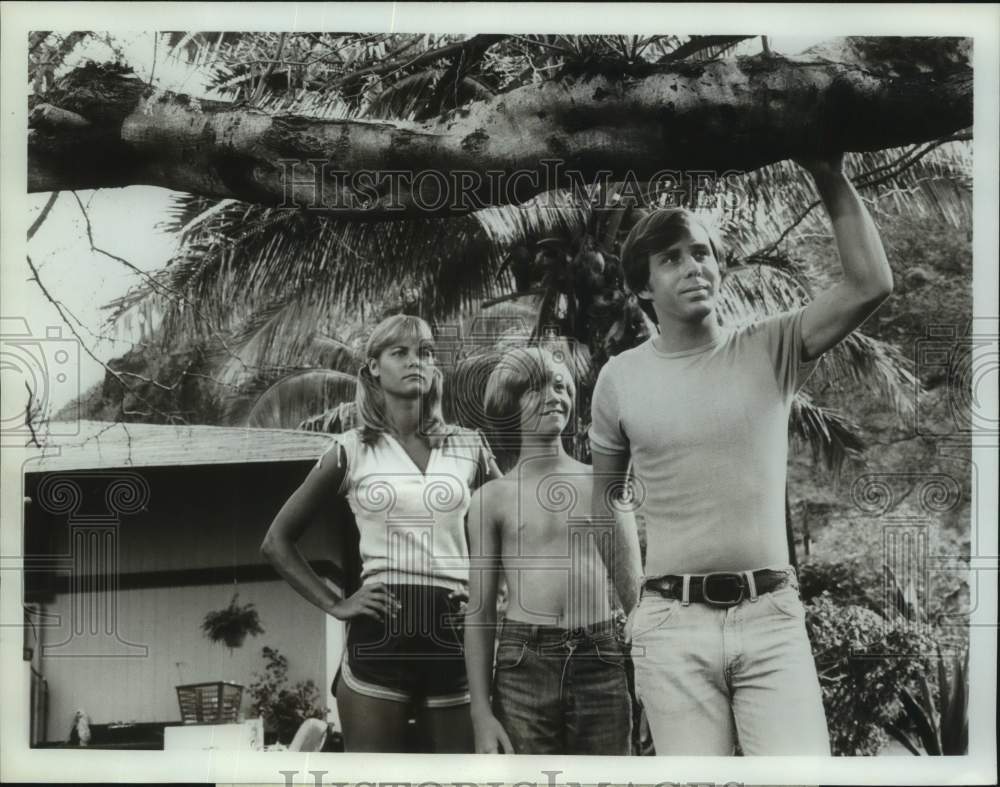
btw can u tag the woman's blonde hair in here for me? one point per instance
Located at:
(369, 398)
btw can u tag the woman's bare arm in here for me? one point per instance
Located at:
(280, 544)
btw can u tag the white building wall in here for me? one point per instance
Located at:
(130, 673)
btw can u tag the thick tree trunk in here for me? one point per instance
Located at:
(99, 127)
(793, 557)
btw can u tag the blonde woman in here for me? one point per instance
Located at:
(407, 476)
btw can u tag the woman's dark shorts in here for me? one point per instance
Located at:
(414, 657)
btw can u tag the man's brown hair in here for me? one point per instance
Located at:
(657, 231)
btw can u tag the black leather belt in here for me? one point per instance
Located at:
(720, 589)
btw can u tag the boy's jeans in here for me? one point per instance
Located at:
(558, 691)
(707, 676)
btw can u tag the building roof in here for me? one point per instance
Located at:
(95, 445)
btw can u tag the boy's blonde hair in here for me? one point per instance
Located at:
(516, 372)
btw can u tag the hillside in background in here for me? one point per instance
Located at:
(915, 469)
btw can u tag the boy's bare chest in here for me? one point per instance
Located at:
(545, 518)
(534, 536)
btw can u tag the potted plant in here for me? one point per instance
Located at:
(281, 705)
(219, 701)
(231, 624)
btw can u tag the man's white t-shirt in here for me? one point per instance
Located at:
(707, 432)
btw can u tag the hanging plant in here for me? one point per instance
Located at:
(232, 624)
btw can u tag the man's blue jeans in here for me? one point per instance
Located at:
(707, 676)
(558, 691)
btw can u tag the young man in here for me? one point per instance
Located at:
(559, 685)
(701, 413)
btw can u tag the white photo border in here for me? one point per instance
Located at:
(981, 22)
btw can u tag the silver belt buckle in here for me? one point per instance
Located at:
(728, 578)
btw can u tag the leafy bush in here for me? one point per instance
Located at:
(847, 582)
(940, 720)
(282, 707)
(860, 580)
(864, 663)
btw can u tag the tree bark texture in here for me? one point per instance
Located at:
(100, 126)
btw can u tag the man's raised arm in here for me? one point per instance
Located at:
(867, 281)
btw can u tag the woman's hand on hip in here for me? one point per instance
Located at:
(373, 600)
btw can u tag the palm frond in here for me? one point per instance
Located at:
(263, 276)
(700, 48)
(832, 437)
(298, 396)
(183, 209)
(863, 361)
(426, 94)
(332, 421)
(274, 338)
(552, 213)
(759, 209)
(307, 331)
(751, 292)
(405, 98)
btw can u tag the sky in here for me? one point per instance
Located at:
(123, 223)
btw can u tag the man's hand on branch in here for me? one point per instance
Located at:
(822, 165)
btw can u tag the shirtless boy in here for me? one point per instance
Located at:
(559, 685)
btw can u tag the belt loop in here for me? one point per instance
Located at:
(686, 590)
(751, 586)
